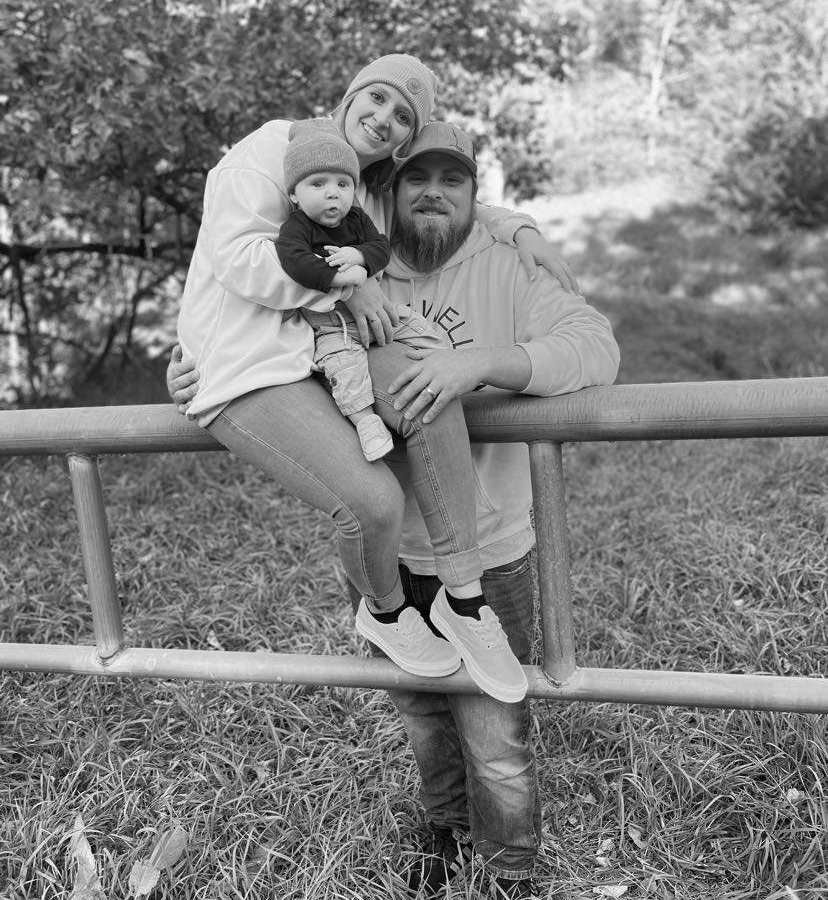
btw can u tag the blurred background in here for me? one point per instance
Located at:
(675, 152)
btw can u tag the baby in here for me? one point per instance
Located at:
(326, 244)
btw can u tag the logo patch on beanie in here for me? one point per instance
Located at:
(414, 85)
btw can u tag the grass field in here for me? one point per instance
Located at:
(688, 555)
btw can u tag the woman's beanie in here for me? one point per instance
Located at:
(418, 85)
(317, 145)
(415, 81)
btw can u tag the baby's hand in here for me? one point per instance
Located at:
(344, 257)
(354, 276)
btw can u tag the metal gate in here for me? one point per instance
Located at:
(793, 407)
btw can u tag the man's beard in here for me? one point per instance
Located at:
(426, 245)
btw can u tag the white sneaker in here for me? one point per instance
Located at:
(484, 648)
(409, 642)
(374, 437)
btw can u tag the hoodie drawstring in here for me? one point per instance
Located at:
(344, 327)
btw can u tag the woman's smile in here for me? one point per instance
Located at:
(373, 133)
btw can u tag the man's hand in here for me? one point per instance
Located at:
(344, 257)
(182, 379)
(372, 313)
(534, 249)
(435, 379)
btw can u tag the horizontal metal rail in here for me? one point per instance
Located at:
(709, 689)
(780, 407)
(735, 409)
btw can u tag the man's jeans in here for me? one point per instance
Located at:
(474, 753)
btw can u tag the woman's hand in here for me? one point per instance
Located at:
(182, 379)
(372, 314)
(350, 276)
(534, 250)
(435, 378)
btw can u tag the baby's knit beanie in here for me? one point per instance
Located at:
(317, 145)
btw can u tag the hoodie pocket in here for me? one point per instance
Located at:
(485, 504)
(502, 485)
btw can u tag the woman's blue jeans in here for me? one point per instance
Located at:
(474, 753)
(295, 433)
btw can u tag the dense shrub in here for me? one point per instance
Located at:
(523, 151)
(778, 171)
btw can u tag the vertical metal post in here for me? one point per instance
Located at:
(548, 489)
(97, 554)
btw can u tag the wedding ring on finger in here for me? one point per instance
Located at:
(432, 394)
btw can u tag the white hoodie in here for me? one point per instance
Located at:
(483, 297)
(235, 319)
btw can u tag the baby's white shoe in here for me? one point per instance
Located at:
(374, 437)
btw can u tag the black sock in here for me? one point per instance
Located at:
(388, 618)
(466, 606)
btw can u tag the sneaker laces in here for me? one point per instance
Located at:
(489, 629)
(412, 627)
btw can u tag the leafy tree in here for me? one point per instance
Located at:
(764, 93)
(113, 111)
(673, 87)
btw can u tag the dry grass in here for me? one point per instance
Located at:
(697, 555)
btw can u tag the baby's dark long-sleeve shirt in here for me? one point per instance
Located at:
(302, 242)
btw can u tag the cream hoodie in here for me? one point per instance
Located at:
(236, 317)
(483, 297)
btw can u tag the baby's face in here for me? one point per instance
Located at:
(325, 197)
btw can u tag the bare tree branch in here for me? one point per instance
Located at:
(141, 250)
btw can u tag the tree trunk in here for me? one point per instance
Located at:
(653, 103)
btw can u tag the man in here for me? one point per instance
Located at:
(477, 768)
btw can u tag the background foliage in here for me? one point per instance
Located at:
(111, 114)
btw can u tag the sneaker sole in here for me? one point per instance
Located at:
(374, 455)
(478, 676)
(429, 672)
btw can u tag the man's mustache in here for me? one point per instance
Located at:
(430, 208)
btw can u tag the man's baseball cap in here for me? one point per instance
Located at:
(441, 137)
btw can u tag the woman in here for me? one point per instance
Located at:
(254, 358)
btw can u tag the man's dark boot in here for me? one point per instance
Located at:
(443, 858)
(506, 889)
